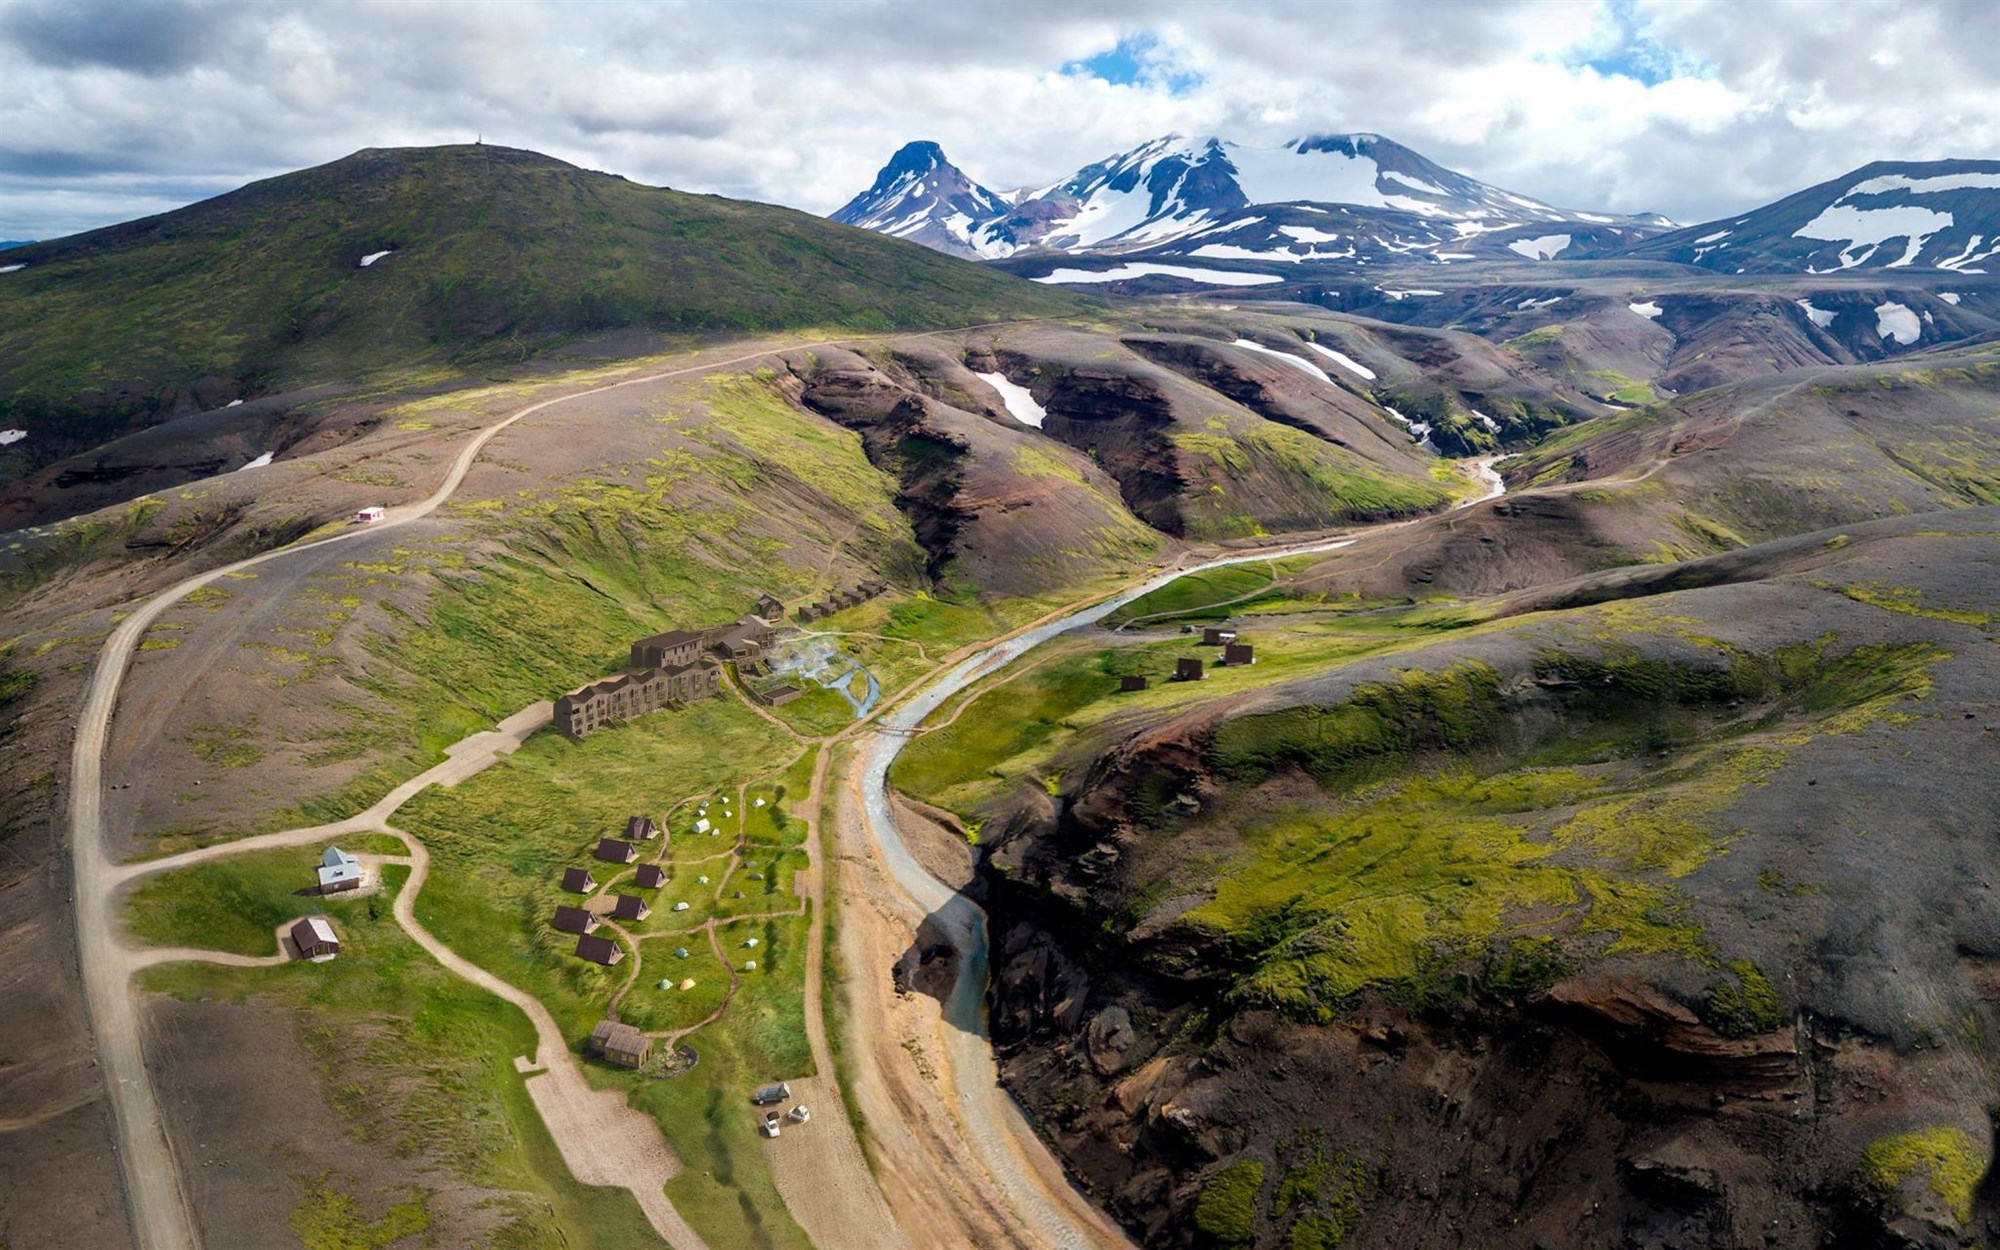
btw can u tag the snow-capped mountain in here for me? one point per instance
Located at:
(921, 196)
(1942, 215)
(1349, 198)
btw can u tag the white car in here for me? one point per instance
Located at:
(799, 1114)
(772, 1127)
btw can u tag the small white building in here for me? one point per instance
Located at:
(370, 514)
(338, 871)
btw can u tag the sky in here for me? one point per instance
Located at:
(1693, 108)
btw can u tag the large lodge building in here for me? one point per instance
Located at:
(667, 669)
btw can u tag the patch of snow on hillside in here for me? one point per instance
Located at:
(258, 463)
(234, 403)
(1281, 175)
(1820, 317)
(1411, 180)
(11, 436)
(1405, 294)
(1492, 426)
(1229, 251)
(1540, 303)
(1020, 402)
(1925, 186)
(1843, 223)
(1710, 238)
(1650, 310)
(1450, 256)
(1123, 273)
(372, 257)
(1306, 234)
(1545, 247)
(1896, 321)
(1345, 361)
(1303, 366)
(1949, 297)
(11, 268)
(1969, 256)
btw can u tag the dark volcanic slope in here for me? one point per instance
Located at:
(483, 252)
(1667, 922)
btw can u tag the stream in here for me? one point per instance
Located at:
(989, 1113)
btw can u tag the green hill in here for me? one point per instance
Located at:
(493, 254)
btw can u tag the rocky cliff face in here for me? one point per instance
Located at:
(1804, 1065)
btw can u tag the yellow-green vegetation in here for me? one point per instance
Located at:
(1950, 1161)
(1906, 602)
(1323, 1193)
(1446, 855)
(1211, 593)
(1540, 336)
(236, 903)
(228, 746)
(1226, 1210)
(1276, 479)
(420, 1064)
(1017, 725)
(1745, 1003)
(328, 1219)
(499, 842)
(570, 575)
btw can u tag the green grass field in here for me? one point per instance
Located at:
(423, 1062)
(500, 839)
(235, 904)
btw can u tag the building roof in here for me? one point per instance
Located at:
(335, 857)
(629, 907)
(574, 920)
(672, 638)
(578, 880)
(650, 876)
(613, 851)
(599, 950)
(640, 827)
(314, 930)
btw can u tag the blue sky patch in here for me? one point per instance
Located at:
(1137, 60)
(1638, 55)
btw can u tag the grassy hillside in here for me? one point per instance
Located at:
(493, 254)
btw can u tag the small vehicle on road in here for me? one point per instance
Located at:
(772, 1127)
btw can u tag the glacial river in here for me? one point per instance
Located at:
(993, 1120)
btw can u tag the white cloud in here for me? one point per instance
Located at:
(1696, 108)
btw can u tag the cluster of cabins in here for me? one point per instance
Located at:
(841, 600)
(583, 922)
(671, 669)
(1194, 668)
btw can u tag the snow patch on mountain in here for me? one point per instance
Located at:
(1650, 310)
(1306, 234)
(1545, 247)
(11, 436)
(258, 463)
(1949, 297)
(1126, 272)
(372, 257)
(1302, 365)
(1020, 402)
(1345, 361)
(1896, 321)
(1820, 317)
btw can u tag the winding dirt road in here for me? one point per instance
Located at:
(155, 1199)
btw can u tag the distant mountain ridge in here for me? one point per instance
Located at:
(1940, 215)
(1245, 203)
(922, 197)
